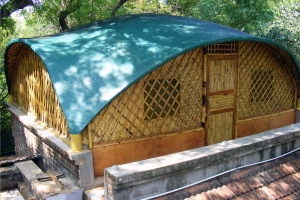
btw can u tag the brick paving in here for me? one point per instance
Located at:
(277, 179)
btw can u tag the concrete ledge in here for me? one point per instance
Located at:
(9, 177)
(83, 160)
(157, 175)
(48, 190)
(297, 115)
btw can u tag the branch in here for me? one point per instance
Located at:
(13, 5)
(119, 5)
(62, 15)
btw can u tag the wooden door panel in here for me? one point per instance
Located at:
(220, 127)
(221, 76)
(222, 101)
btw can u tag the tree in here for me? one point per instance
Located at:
(62, 9)
(245, 15)
(285, 28)
(116, 8)
(6, 139)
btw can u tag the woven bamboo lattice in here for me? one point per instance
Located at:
(167, 100)
(226, 47)
(217, 102)
(289, 64)
(32, 91)
(265, 84)
(12, 58)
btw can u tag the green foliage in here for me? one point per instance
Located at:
(245, 15)
(285, 28)
(144, 6)
(7, 25)
(83, 12)
(6, 139)
(35, 25)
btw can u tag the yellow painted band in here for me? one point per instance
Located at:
(90, 141)
(10, 98)
(298, 103)
(76, 143)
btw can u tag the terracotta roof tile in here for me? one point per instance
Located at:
(291, 183)
(225, 192)
(263, 179)
(234, 188)
(211, 195)
(218, 193)
(289, 168)
(262, 194)
(285, 186)
(274, 190)
(277, 179)
(282, 172)
(269, 192)
(203, 196)
(246, 187)
(267, 177)
(215, 184)
(294, 195)
(275, 174)
(296, 163)
(255, 182)
(254, 195)
(297, 176)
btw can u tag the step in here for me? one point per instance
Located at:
(52, 189)
(25, 191)
(94, 194)
(9, 177)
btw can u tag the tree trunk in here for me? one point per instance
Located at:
(69, 9)
(119, 5)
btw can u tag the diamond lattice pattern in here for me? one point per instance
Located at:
(167, 100)
(162, 98)
(265, 84)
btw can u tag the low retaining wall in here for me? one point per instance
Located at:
(158, 175)
(32, 139)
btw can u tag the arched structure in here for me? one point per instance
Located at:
(141, 86)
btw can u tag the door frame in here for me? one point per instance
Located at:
(219, 56)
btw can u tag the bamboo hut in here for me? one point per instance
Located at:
(142, 86)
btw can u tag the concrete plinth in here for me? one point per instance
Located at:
(154, 176)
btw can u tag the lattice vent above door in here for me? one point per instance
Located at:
(227, 47)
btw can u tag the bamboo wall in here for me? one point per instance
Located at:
(265, 84)
(265, 87)
(33, 92)
(166, 101)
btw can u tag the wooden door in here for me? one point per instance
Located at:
(221, 89)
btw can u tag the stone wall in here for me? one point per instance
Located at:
(32, 139)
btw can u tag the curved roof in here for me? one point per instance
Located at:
(89, 66)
